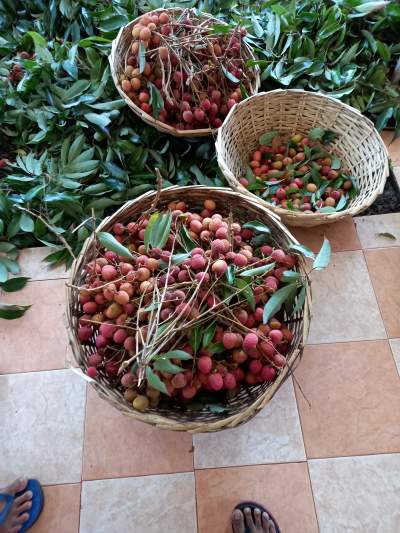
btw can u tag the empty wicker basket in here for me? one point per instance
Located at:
(358, 144)
(250, 399)
(118, 57)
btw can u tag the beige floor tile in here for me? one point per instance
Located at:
(38, 340)
(354, 392)
(61, 510)
(147, 504)
(342, 236)
(357, 494)
(43, 413)
(393, 147)
(283, 489)
(344, 304)
(273, 436)
(395, 346)
(31, 261)
(370, 228)
(384, 269)
(151, 450)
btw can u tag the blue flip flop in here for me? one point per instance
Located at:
(253, 505)
(37, 504)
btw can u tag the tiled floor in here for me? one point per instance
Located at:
(327, 463)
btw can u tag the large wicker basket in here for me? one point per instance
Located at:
(117, 59)
(358, 144)
(250, 399)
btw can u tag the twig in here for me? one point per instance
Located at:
(50, 227)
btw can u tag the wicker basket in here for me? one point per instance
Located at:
(117, 59)
(358, 144)
(250, 399)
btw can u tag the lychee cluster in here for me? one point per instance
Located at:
(182, 72)
(180, 312)
(299, 174)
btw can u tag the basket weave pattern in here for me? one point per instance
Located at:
(117, 59)
(250, 399)
(292, 111)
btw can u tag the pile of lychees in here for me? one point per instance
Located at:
(176, 309)
(180, 70)
(300, 173)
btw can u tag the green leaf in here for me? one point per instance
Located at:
(12, 311)
(300, 300)
(247, 291)
(303, 250)
(341, 203)
(142, 57)
(258, 271)
(111, 243)
(76, 89)
(10, 265)
(157, 234)
(230, 274)
(154, 381)
(229, 75)
(209, 333)
(258, 29)
(195, 339)
(218, 347)
(177, 259)
(102, 120)
(256, 226)
(250, 175)
(187, 242)
(324, 256)
(276, 301)
(14, 284)
(290, 276)
(387, 235)
(7, 247)
(165, 365)
(266, 138)
(177, 354)
(371, 40)
(156, 100)
(336, 164)
(383, 118)
(26, 223)
(3, 273)
(215, 408)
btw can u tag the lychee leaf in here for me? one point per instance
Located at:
(229, 75)
(256, 226)
(300, 301)
(148, 230)
(14, 284)
(257, 271)
(111, 243)
(165, 365)
(209, 333)
(341, 203)
(336, 164)
(217, 347)
(142, 57)
(156, 100)
(186, 240)
(155, 382)
(290, 275)
(160, 230)
(324, 256)
(266, 138)
(303, 250)
(11, 311)
(276, 301)
(215, 408)
(177, 354)
(247, 291)
(230, 274)
(195, 339)
(387, 235)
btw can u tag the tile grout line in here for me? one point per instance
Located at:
(83, 458)
(394, 359)
(376, 298)
(313, 497)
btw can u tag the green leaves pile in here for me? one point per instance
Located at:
(75, 148)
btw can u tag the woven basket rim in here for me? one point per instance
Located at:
(163, 421)
(149, 119)
(295, 217)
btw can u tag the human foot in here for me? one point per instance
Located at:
(19, 511)
(255, 520)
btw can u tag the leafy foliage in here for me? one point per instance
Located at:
(73, 146)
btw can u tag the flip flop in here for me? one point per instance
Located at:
(253, 505)
(37, 504)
